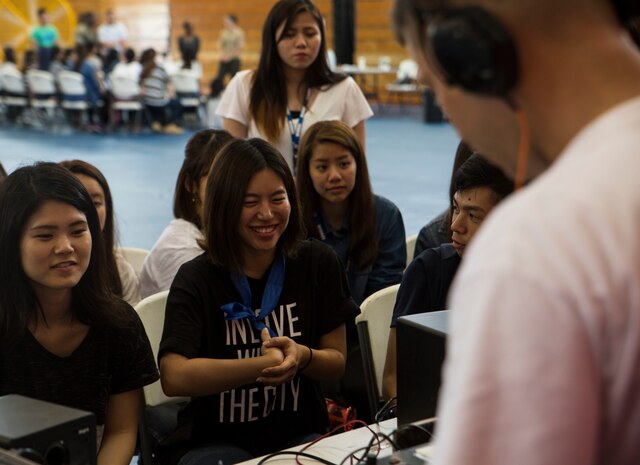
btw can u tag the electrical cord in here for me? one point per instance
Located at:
(386, 409)
(375, 442)
(411, 434)
(297, 454)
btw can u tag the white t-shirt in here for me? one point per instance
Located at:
(130, 70)
(195, 70)
(543, 362)
(112, 34)
(129, 280)
(343, 101)
(8, 68)
(177, 244)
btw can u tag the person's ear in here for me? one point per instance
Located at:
(190, 186)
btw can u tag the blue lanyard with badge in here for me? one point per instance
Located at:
(295, 129)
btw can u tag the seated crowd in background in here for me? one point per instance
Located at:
(152, 84)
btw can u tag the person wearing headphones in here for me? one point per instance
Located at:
(543, 360)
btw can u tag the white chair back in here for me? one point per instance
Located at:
(373, 325)
(13, 82)
(184, 81)
(411, 247)
(71, 83)
(332, 59)
(41, 82)
(74, 92)
(124, 87)
(151, 311)
(135, 256)
(407, 70)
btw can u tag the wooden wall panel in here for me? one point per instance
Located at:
(375, 37)
(158, 23)
(207, 18)
(147, 21)
(18, 17)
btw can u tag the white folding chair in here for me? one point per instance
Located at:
(187, 87)
(135, 256)
(74, 93)
(125, 97)
(406, 83)
(15, 97)
(411, 248)
(151, 311)
(373, 325)
(42, 85)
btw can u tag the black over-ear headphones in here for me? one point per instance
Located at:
(627, 10)
(474, 50)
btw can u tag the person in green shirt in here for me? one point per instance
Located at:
(44, 37)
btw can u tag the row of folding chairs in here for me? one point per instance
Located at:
(43, 92)
(126, 95)
(39, 91)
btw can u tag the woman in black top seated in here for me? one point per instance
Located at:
(64, 336)
(255, 322)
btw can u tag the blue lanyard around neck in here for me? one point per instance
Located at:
(270, 297)
(295, 129)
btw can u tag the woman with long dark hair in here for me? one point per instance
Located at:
(65, 337)
(365, 230)
(158, 95)
(293, 86)
(121, 277)
(340, 208)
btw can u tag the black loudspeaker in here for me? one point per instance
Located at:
(421, 347)
(474, 50)
(47, 433)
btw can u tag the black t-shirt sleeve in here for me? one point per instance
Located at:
(183, 322)
(134, 365)
(332, 289)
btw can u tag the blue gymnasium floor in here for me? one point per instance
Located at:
(409, 163)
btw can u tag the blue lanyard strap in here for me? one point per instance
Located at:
(295, 129)
(270, 297)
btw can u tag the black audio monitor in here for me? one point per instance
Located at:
(420, 353)
(47, 433)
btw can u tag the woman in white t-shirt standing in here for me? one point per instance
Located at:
(293, 86)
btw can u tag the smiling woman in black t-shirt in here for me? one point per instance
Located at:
(65, 337)
(256, 321)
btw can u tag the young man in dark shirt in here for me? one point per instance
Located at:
(479, 186)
